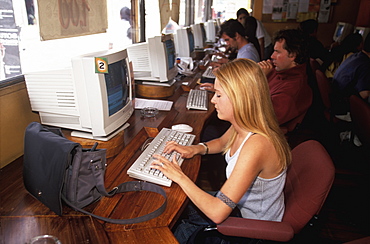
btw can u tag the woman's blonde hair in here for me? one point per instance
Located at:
(246, 86)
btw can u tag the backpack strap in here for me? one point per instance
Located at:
(127, 187)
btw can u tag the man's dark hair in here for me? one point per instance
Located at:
(350, 44)
(295, 43)
(242, 11)
(308, 26)
(231, 27)
(367, 44)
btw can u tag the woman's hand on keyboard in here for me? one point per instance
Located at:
(207, 86)
(216, 65)
(184, 151)
(171, 170)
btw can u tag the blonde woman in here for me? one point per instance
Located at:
(255, 150)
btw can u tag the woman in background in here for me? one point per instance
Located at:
(250, 30)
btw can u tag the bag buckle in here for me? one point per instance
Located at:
(96, 164)
(113, 191)
(138, 186)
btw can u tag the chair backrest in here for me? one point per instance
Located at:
(309, 179)
(324, 87)
(306, 100)
(360, 115)
(314, 64)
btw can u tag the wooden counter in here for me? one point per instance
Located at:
(23, 217)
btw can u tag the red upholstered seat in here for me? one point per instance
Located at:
(309, 180)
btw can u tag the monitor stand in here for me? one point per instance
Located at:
(154, 91)
(157, 83)
(89, 135)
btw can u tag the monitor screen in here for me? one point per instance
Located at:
(190, 40)
(117, 86)
(363, 31)
(170, 52)
(203, 30)
(341, 31)
(359, 31)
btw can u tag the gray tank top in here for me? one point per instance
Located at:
(265, 198)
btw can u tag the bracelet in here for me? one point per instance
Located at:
(205, 146)
(226, 200)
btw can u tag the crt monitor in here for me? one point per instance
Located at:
(92, 95)
(363, 31)
(341, 31)
(211, 31)
(199, 33)
(154, 60)
(184, 42)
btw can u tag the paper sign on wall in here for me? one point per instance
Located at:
(69, 18)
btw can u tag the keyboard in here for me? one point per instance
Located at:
(208, 73)
(141, 170)
(197, 99)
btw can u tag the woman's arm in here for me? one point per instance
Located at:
(214, 146)
(250, 163)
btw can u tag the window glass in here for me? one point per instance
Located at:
(198, 11)
(152, 19)
(119, 23)
(182, 13)
(227, 9)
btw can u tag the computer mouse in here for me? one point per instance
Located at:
(182, 128)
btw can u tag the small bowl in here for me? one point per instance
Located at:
(149, 112)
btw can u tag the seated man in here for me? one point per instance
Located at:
(290, 92)
(352, 78)
(233, 33)
(351, 44)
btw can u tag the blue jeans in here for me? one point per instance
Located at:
(196, 220)
(191, 230)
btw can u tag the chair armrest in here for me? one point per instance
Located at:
(256, 229)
